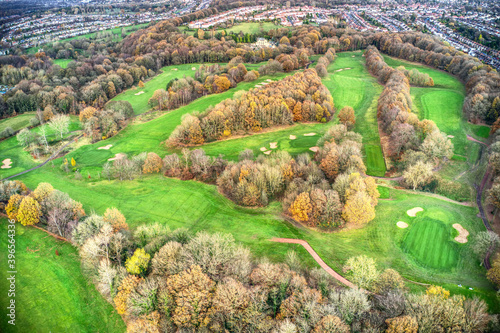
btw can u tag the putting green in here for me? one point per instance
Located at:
(430, 243)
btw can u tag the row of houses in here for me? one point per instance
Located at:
(292, 16)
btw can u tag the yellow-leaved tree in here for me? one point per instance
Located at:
(358, 208)
(29, 211)
(301, 207)
(13, 206)
(138, 263)
(42, 191)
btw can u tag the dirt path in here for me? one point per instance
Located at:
(316, 257)
(470, 138)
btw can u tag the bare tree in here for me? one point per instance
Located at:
(60, 124)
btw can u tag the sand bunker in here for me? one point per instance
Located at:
(139, 93)
(402, 225)
(269, 80)
(258, 86)
(413, 212)
(462, 233)
(6, 164)
(293, 137)
(343, 69)
(117, 157)
(451, 136)
(314, 149)
(267, 152)
(310, 134)
(105, 147)
(174, 69)
(263, 148)
(273, 145)
(193, 68)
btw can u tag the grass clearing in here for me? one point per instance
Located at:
(51, 293)
(355, 87)
(18, 122)
(62, 62)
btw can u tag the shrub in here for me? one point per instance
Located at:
(7, 132)
(12, 208)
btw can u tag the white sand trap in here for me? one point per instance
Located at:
(462, 233)
(451, 136)
(269, 80)
(293, 137)
(267, 152)
(174, 69)
(413, 212)
(6, 163)
(273, 145)
(265, 83)
(105, 147)
(314, 149)
(117, 157)
(343, 69)
(258, 86)
(139, 93)
(263, 148)
(310, 134)
(193, 68)
(402, 225)
(353, 56)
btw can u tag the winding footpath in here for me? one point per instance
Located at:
(316, 257)
(54, 155)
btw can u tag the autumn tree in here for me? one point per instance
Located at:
(124, 290)
(192, 293)
(141, 84)
(331, 324)
(301, 207)
(358, 208)
(363, 271)
(405, 324)
(116, 219)
(29, 211)
(152, 164)
(12, 208)
(138, 263)
(221, 84)
(87, 113)
(346, 117)
(418, 174)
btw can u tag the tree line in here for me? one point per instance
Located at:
(299, 97)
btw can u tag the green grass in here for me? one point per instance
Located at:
(62, 62)
(431, 243)
(51, 293)
(355, 87)
(140, 102)
(21, 159)
(18, 122)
